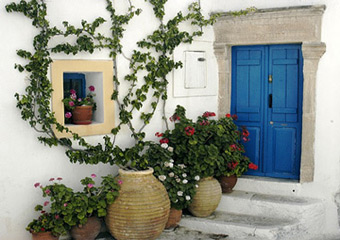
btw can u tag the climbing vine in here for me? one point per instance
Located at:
(153, 56)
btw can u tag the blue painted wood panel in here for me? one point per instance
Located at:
(272, 111)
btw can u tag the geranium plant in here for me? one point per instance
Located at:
(209, 147)
(73, 100)
(74, 208)
(47, 222)
(176, 178)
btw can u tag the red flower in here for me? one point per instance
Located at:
(209, 114)
(228, 115)
(245, 139)
(157, 134)
(46, 203)
(42, 229)
(204, 123)
(174, 118)
(234, 116)
(164, 140)
(51, 179)
(233, 147)
(56, 216)
(36, 185)
(47, 191)
(189, 131)
(59, 179)
(245, 132)
(253, 166)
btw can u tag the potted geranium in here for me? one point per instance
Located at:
(47, 226)
(80, 110)
(176, 178)
(80, 210)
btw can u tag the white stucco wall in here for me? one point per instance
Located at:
(24, 161)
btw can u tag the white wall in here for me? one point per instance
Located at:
(24, 161)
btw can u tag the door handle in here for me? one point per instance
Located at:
(270, 101)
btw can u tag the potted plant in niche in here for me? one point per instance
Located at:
(80, 110)
(180, 185)
(80, 211)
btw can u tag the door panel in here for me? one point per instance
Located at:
(271, 110)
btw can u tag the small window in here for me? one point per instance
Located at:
(74, 81)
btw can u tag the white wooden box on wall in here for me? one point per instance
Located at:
(198, 77)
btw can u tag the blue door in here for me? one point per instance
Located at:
(267, 86)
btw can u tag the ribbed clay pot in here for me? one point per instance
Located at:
(227, 183)
(44, 236)
(82, 115)
(174, 218)
(88, 231)
(207, 197)
(142, 208)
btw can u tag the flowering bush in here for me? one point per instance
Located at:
(208, 147)
(73, 100)
(74, 208)
(175, 177)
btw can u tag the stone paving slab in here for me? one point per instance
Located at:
(179, 233)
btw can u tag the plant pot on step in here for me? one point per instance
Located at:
(227, 183)
(207, 197)
(44, 236)
(88, 231)
(82, 115)
(174, 218)
(141, 209)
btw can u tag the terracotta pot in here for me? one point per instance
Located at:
(89, 231)
(227, 183)
(174, 218)
(207, 197)
(44, 236)
(82, 115)
(141, 209)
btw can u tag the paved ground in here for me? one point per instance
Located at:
(179, 233)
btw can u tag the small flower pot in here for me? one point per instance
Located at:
(88, 231)
(174, 218)
(44, 236)
(227, 183)
(82, 115)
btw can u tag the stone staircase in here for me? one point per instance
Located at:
(247, 215)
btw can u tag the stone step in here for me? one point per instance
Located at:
(309, 212)
(243, 226)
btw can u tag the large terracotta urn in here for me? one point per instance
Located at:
(207, 197)
(141, 209)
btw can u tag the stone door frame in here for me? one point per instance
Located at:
(276, 26)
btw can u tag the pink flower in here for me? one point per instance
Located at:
(36, 185)
(71, 104)
(79, 99)
(65, 204)
(90, 185)
(68, 115)
(91, 88)
(174, 118)
(56, 216)
(47, 191)
(72, 91)
(73, 96)
(51, 179)
(93, 175)
(120, 182)
(59, 179)
(46, 203)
